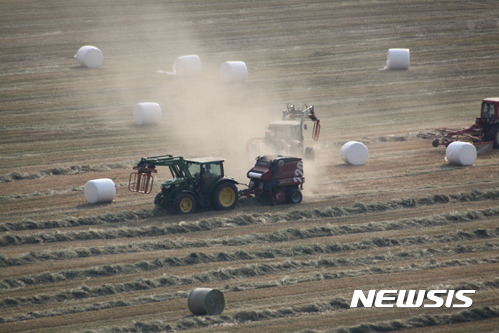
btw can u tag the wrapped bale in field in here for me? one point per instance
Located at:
(460, 153)
(206, 301)
(89, 56)
(188, 65)
(233, 71)
(354, 153)
(398, 59)
(100, 190)
(147, 113)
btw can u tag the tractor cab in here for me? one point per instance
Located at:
(206, 171)
(287, 130)
(489, 113)
(286, 137)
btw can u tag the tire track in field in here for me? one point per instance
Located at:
(195, 258)
(245, 219)
(285, 235)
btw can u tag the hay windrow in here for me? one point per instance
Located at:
(406, 219)
(469, 315)
(62, 171)
(200, 257)
(247, 219)
(474, 314)
(337, 302)
(259, 270)
(273, 237)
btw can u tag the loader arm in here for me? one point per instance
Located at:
(142, 180)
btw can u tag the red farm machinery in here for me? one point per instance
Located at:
(484, 133)
(276, 178)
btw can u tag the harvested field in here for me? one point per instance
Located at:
(405, 220)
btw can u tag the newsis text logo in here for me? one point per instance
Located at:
(412, 298)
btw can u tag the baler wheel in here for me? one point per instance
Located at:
(294, 196)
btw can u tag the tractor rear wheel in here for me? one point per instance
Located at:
(184, 203)
(224, 196)
(309, 153)
(492, 134)
(294, 196)
(496, 136)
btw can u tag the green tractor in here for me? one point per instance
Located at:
(196, 182)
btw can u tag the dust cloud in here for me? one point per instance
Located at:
(202, 115)
(213, 118)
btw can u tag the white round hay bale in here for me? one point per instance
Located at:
(354, 153)
(147, 113)
(233, 71)
(204, 301)
(89, 56)
(100, 190)
(460, 153)
(398, 59)
(188, 65)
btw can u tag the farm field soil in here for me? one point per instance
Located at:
(406, 219)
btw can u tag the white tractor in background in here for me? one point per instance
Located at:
(285, 136)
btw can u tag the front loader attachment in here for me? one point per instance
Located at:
(316, 130)
(142, 180)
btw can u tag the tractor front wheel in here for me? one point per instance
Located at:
(184, 203)
(225, 196)
(160, 199)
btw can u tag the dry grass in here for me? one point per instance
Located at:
(405, 220)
